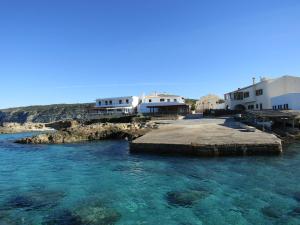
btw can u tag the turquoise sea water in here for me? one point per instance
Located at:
(56, 184)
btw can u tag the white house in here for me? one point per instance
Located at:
(116, 106)
(163, 104)
(280, 93)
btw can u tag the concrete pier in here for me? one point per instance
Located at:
(207, 137)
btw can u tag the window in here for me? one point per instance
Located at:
(256, 106)
(286, 106)
(279, 106)
(246, 94)
(110, 102)
(120, 101)
(238, 96)
(175, 100)
(99, 103)
(106, 102)
(127, 101)
(162, 100)
(250, 106)
(150, 100)
(260, 106)
(168, 100)
(259, 92)
(274, 107)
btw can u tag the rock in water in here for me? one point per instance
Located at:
(34, 200)
(271, 212)
(19, 201)
(91, 132)
(297, 196)
(64, 217)
(185, 198)
(295, 212)
(96, 213)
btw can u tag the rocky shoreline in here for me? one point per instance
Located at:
(99, 131)
(11, 128)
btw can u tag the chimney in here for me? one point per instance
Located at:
(253, 79)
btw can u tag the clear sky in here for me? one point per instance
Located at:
(69, 51)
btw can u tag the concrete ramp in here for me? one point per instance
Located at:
(207, 137)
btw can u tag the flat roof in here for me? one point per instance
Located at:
(163, 95)
(115, 98)
(240, 89)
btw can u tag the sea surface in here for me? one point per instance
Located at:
(102, 183)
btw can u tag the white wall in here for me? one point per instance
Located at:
(271, 88)
(292, 99)
(133, 101)
(156, 99)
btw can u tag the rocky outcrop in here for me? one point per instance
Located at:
(98, 131)
(8, 128)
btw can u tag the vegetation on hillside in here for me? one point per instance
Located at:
(45, 113)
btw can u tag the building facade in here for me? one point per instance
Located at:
(279, 94)
(163, 104)
(116, 106)
(208, 102)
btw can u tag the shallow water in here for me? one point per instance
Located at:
(39, 182)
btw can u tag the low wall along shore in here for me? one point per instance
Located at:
(207, 137)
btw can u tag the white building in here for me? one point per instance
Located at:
(163, 104)
(116, 106)
(280, 93)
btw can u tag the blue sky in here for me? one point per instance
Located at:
(68, 51)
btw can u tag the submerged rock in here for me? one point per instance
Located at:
(185, 198)
(19, 201)
(33, 200)
(270, 211)
(96, 213)
(296, 196)
(63, 217)
(295, 212)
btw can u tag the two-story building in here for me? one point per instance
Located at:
(115, 106)
(279, 94)
(163, 104)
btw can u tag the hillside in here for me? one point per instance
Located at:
(45, 113)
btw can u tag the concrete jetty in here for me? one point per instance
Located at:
(207, 137)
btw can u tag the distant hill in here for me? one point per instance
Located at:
(45, 113)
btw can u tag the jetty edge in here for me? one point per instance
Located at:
(207, 137)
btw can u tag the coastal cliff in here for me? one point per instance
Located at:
(45, 113)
